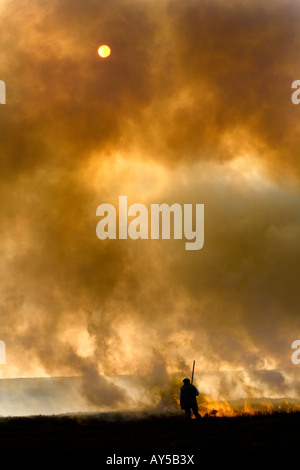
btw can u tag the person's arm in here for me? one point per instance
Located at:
(197, 393)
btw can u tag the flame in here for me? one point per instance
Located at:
(214, 408)
(164, 399)
(225, 409)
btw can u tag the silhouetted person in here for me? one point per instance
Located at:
(188, 400)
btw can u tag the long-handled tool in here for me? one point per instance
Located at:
(193, 372)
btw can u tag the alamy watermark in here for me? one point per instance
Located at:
(160, 222)
(296, 354)
(295, 98)
(2, 92)
(2, 353)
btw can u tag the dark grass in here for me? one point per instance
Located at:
(131, 435)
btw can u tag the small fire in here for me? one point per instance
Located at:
(216, 408)
(166, 400)
(213, 408)
(225, 409)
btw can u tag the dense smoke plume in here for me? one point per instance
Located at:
(193, 106)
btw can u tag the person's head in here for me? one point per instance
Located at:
(186, 381)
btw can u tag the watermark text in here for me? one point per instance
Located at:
(2, 353)
(296, 354)
(161, 216)
(2, 92)
(296, 94)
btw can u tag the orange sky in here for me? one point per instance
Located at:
(193, 106)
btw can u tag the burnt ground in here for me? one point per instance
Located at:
(103, 435)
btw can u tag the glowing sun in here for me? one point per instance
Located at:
(104, 51)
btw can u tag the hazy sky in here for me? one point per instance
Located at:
(193, 106)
